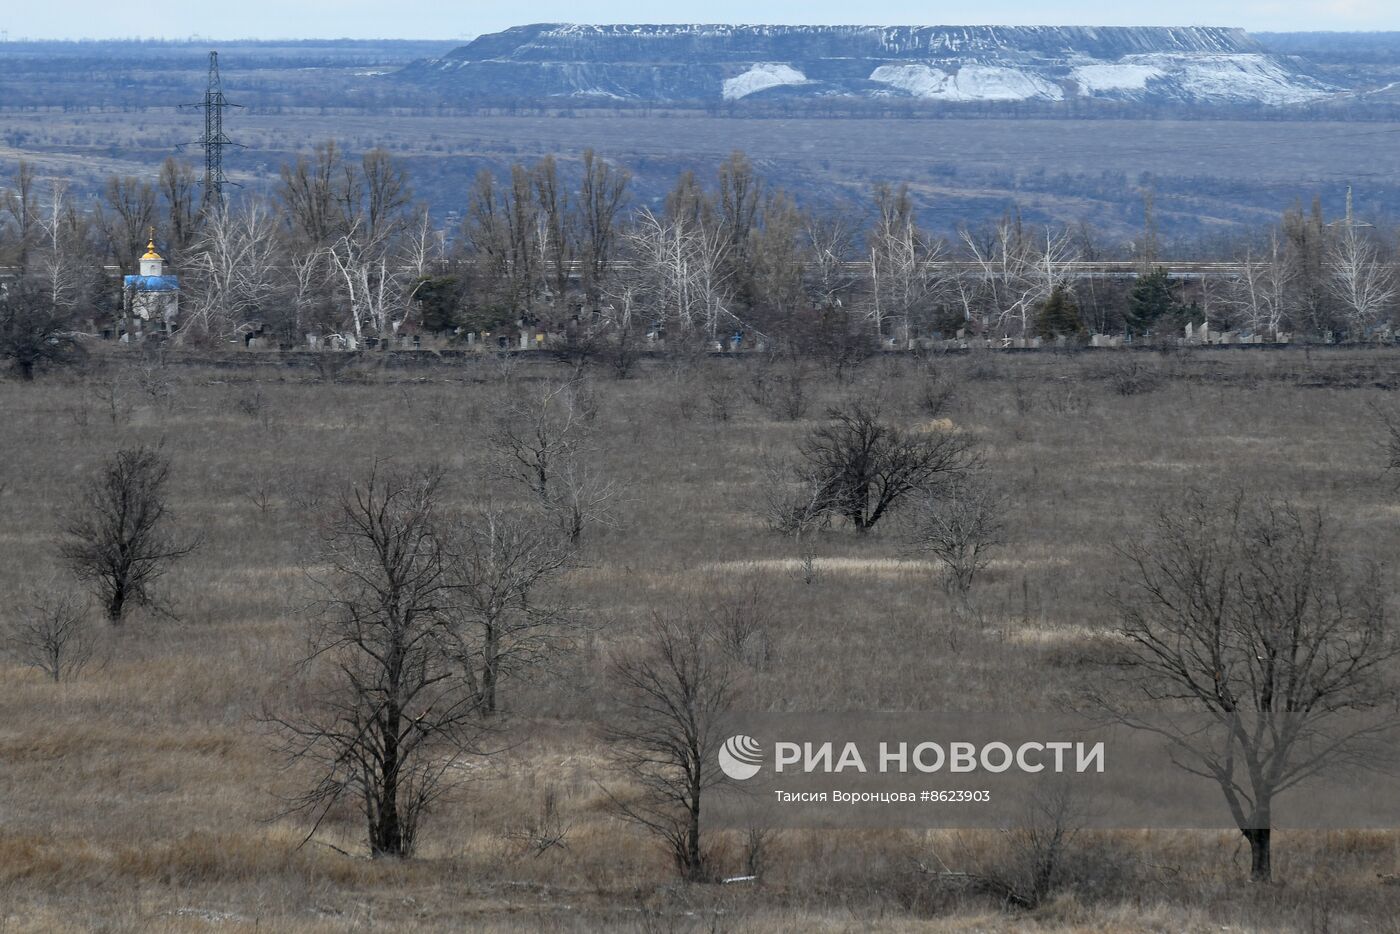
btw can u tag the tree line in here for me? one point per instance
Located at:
(342, 250)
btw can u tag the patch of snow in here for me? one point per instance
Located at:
(1207, 77)
(1251, 78)
(761, 77)
(992, 83)
(1113, 76)
(918, 80)
(595, 93)
(970, 83)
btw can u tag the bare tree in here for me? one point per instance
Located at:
(794, 499)
(777, 257)
(499, 625)
(34, 333)
(829, 245)
(737, 205)
(583, 495)
(1015, 275)
(118, 537)
(779, 384)
(385, 718)
(311, 195)
(51, 633)
(865, 465)
(622, 339)
(377, 290)
(554, 237)
(741, 619)
(21, 202)
(502, 229)
(536, 434)
(423, 246)
(178, 188)
(958, 522)
(66, 262)
(126, 218)
(231, 273)
(303, 290)
(602, 193)
(346, 219)
(1360, 282)
(901, 284)
(1259, 295)
(378, 207)
(681, 269)
(1389, 440)
(1247, 611)
(672, 693)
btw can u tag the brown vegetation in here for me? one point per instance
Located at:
(143, 796)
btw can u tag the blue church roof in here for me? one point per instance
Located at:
(153, 283)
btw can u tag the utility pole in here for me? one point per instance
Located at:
(214, 140)
(1350, 220)
(1149, 231)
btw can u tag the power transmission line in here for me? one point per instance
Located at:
(214, 141)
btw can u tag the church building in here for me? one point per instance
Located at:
(151, 299)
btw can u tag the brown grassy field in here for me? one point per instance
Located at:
(144, 796)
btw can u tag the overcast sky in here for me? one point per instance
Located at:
(447, 20)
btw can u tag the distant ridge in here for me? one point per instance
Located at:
(956, 64)
(663, 43)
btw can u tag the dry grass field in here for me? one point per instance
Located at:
(144, 795)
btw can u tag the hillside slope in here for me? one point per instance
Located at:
(954, 64)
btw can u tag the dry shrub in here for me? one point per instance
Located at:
(1129, 377)
(53, 633)
(935, 394)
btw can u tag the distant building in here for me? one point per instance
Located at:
(152, 298)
